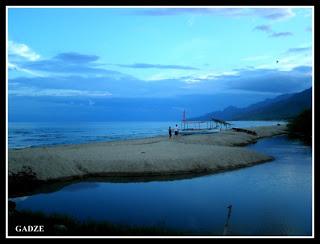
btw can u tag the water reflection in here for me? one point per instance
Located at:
(268, 199)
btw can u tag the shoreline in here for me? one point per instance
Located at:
(121, 140)
(155, 157)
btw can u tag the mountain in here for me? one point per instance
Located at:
(281, 107)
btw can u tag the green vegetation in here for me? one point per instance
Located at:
(23, 181)
(301, 127)
(64, 225)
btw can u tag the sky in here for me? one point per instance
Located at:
(152, 63)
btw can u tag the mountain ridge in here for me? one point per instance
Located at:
(284, 106)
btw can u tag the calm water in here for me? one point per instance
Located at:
(274, 198)
(21, 135)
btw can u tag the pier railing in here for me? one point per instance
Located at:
(206, 125)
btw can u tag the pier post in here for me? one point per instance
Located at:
(226, 226)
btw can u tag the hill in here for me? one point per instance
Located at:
(279, 108)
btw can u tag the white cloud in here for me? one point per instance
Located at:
(209, 76)
(288, 62)
(16, 67)
(267, 13)
(22, 50)
(274, 13)
(191, 78)
(292, 62)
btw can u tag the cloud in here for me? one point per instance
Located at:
(95, 85)
(253, 80)
(71, 74)
(268, 29)
(36, 92)
(265, 28)
(193, 11)
(308, 29)
(271, 80)
(281, 34)
(75, 74)
(267, 13)
(61, 66)
(292, 60)
(156, 66)
(285, 60)
(73, 57)
(22, 50)
(274, 13)
(262, 81)
(299, 50)
(15, 67)
(70, 63)
(303, 69)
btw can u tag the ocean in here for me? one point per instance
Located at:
(36, 134)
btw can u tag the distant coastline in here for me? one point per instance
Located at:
(150, 157)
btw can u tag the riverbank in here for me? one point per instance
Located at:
(151, 157)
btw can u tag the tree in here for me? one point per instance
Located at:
(301, 126)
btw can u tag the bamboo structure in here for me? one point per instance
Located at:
(211, 124)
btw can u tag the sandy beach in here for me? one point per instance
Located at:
(157, 156)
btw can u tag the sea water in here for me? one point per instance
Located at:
(22, 135)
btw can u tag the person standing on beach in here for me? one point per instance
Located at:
(176, 130)
(170, 132)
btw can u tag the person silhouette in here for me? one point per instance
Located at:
(176, 130)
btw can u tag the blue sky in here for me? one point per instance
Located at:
(90, 54)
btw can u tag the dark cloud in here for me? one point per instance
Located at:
(303, 69)
(273, 81)
(265, 28)
(76, 63)
(114, 85)
(156, 66)
(268, 81)
(299, 50)
(259, 81)
(281, 34)
(78, 72)
(268, 29)
(70, 63)
(73, 57)
(61, 66)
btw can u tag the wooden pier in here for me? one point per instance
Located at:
(251, 132)
(191, 126)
